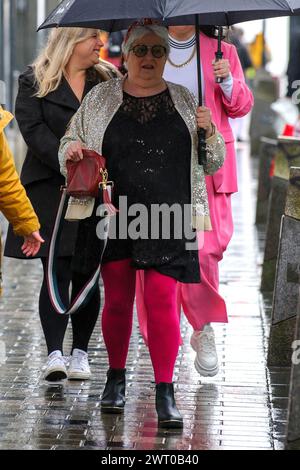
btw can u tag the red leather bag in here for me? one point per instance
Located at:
(85, 176)
(89, 178)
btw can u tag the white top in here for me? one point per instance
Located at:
(181, 51)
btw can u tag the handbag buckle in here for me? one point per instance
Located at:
(105, 181)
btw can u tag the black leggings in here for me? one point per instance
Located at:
(54, 325)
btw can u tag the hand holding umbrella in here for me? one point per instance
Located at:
(221, 69)
(204, 121)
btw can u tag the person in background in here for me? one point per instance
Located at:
(202, 302)
(14, 203)
(293, 69)
(112, 49)
(50, 93)
(259, 51)
(236, 37)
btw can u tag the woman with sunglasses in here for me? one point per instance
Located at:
(147, 130)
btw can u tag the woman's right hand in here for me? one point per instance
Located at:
(74, 151)
(32, 244)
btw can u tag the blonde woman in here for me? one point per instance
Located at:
(50, 92)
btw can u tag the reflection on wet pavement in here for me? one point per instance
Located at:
(230, 411)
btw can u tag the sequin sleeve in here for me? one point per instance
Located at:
(75, 132)
(216, 151)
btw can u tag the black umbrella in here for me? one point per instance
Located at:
(116, 15)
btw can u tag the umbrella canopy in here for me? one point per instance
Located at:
(115, 15)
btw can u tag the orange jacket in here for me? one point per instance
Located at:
(14, 202)
(256, 51)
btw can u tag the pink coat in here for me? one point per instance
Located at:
(225, 180)
(205, 295)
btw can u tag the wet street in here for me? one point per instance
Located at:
(243, 407)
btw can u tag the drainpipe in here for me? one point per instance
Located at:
(7, 50)
(40, 17)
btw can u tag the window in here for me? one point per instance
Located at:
(19, 42)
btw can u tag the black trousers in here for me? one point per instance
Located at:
(54, 325)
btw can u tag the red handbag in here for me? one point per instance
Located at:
(85, 178)
(89, 178)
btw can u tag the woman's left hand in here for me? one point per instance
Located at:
(204, 121)
(221, 68)
(32, 244)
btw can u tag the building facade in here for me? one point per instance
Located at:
(19, 41)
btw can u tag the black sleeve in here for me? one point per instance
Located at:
(293, 71)
(39, 138)
(245, 58)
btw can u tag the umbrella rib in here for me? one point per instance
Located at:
(112, 25)
(163, 4)
(227, 18)
(289, 5)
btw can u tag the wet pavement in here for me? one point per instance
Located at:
(243, 407)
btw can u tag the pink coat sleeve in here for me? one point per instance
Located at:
(242, 98)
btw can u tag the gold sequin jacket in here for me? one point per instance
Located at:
(94, 116)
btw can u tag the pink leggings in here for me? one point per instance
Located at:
(163, 322)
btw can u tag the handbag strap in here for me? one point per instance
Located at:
(85, 293)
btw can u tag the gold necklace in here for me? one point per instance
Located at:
(178, 66)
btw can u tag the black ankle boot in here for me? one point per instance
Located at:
(168, 414)
(113, 397)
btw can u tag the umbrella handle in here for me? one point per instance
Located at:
(219, 53)
(202, 151)
(202, 159)
(219, 56)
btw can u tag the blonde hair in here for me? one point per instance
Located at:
(50, 65)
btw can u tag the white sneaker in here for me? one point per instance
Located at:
(203, 343)
(79, 368)
(55, 367)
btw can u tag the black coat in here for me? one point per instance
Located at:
(43, 122)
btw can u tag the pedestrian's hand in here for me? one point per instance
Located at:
(74, 151)
(32, 244)
(204, 121)
(221, 68)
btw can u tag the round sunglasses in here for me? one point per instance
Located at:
(141, 50)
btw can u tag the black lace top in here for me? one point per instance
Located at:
(148, 150)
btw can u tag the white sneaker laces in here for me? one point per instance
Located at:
(80, 361)
(206, 342)
(55, 361)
